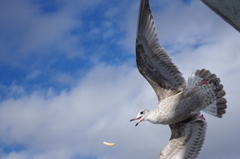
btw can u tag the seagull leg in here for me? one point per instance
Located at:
(201, 117)
(204, 81)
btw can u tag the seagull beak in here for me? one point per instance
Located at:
(137, 119)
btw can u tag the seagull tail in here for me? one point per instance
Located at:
(215, 103)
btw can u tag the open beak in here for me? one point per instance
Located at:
(137, 119)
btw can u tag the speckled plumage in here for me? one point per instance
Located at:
(186, 140)
(178, 101)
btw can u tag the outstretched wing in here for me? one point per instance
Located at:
(186, 140)
(152, 60)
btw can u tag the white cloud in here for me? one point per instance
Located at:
(33, 75)
(76, 122)
(99, 109)
(27, 32)
(65, 78)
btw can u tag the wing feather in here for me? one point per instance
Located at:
(152, 60)
(186, 140)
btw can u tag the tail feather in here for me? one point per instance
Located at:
(207, 74)
(219, 88)
(221, 93)
(212, 76)
(201, 73)
(215, 103)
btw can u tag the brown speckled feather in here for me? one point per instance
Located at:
(186, 140)
(152, 61)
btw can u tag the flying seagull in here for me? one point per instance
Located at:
(179, 104)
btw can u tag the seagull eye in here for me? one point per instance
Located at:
(141, 112)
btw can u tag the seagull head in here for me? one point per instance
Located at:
(141, 116)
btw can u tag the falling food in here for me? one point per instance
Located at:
(108, 144)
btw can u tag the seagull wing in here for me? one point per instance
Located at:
(186, 140)
(152, 60)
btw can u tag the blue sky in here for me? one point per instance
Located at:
(69, 79)
(49, 40)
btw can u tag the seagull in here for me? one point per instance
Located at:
(179, 103)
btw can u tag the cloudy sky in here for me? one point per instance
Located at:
(69, 79)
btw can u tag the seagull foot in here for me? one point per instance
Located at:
(201, 117)
(204, 81)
